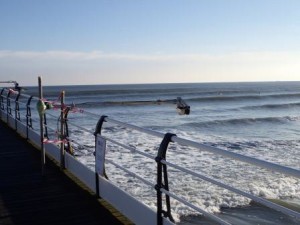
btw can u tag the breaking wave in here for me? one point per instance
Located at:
(245, 121)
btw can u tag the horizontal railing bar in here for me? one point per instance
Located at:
(20, 111)
(34, 120)
(22, 95)
(47, 125)
(262, 201)
(22, 122)
(208, 215)
(134, 175)
(147, 131)
(14, 100)
(131, 149)
(53, 116)
(11, 115)
(28, 96)
(91, 114)
(239, 157)
(11, 98)
(22, 103)
(91, 132)
(73, 141)
(15, 94)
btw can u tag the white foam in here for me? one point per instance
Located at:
(251, 179)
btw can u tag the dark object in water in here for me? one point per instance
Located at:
(182, 107)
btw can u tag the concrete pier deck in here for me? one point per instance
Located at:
(27, 197)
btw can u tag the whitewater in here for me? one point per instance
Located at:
(261, 120)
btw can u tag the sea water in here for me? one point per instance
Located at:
(260, 120)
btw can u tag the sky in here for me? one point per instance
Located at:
(149, 41)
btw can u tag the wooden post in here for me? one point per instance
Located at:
(62, 130)
(43, 158)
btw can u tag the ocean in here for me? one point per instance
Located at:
(260, 120)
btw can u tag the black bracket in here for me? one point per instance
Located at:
(17, 107)
(99, 125)
(98, 131)
(68, 148)
(8, 108)
(28, 116)
(46, 128)
(28, 113)
(17, 110)
(1, 103)
(1, 100)
(162, 175)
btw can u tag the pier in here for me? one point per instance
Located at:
(56, 197)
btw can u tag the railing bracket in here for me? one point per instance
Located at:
(162, 174)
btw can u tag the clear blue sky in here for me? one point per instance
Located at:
(142, 41)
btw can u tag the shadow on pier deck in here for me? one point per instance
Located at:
(27, 197)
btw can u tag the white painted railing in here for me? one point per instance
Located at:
(138, 212)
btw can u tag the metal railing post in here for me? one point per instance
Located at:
(62, 130)
(162, 174)
(67, 148)
(98, 131)
(45, 126)
(17, 110)
(28, 117)
(43, 154)
(1, 102)
(8, 108)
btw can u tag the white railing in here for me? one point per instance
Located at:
(108, 190)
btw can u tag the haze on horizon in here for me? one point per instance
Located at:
(171, 41)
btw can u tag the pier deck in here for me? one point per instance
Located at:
(27, 197)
